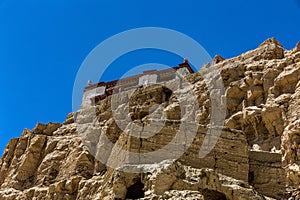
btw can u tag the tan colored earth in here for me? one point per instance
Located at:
(257, 155)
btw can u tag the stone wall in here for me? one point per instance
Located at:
(266, 173)
(229, 156)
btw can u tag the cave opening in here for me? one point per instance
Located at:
(168, 93)
(135, 191)
(213, 195)
(251, 177)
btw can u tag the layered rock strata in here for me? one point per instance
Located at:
(255, 156)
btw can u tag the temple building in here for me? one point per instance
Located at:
(96, 92)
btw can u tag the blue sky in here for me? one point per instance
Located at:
(43, 43)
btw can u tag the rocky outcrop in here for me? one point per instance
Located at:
(46, 129)
(267, 112)
(166, 180)
(256, 153)
(172, 180)
(266, 173)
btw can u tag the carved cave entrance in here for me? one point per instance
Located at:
(135, 191)
(213, 195)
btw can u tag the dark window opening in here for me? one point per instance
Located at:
(251, 177)
(135, 191)
(168, 93)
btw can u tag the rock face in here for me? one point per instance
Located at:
(256, 154)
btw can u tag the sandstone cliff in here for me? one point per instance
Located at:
(257, 155)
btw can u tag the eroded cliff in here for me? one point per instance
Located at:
(256, 154)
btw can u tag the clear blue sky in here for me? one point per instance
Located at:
(43, 43)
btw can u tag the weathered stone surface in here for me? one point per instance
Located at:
(266, 173)
(261, 99)
(46, 129)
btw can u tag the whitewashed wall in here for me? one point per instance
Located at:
(148, 79)
(86, 99)
(182, 72)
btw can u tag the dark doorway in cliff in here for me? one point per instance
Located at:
(135, 191)
(251, 177)
(213, 195)
(167, 93)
